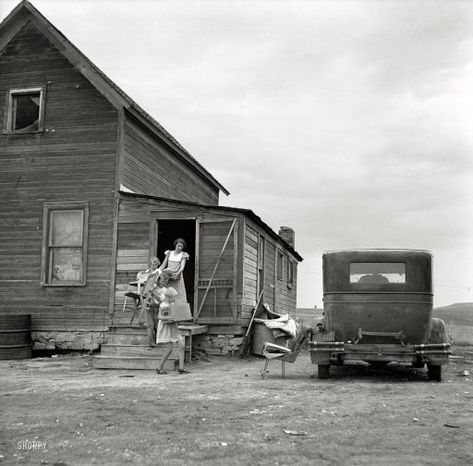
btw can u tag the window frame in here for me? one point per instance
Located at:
(261, 258)
(373, 271)
(48, 209)
(9, 109)
(261, 252)
(280, 264)
(290, 273)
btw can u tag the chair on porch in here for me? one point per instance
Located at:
(286, 354)
(138, 290)
(133, 291)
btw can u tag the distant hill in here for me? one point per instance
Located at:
(458, 313)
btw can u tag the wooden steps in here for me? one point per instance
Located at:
(127, 335)
(127, 348)
(122, 318)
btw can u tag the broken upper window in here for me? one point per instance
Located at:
(25, 110)
(377, 273)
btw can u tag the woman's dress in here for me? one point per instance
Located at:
(174, 264)
(168, 332)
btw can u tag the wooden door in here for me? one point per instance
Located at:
(216, 291)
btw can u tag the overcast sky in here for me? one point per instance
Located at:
(350, 121)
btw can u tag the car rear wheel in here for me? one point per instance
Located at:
(434, 372)
(323, 370)
(418, 364)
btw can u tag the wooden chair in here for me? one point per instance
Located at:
(285, 354)
(133, 291)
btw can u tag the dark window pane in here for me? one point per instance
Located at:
(280, 265)
(377, 273)
(260, 253)
(26, 112)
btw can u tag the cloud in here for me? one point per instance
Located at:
(348, 120)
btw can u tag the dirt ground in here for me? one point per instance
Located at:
(62, 411)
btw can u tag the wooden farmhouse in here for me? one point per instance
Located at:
(91, 187)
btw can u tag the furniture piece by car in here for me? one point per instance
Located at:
(286, 354)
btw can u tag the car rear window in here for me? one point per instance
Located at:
(377, 273)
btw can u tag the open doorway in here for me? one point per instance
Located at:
(168, 232)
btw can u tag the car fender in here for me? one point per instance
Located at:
(437, 333)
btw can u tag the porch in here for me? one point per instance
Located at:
(127, 348)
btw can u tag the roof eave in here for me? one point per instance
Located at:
(247, 212)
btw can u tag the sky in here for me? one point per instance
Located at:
(349, 121)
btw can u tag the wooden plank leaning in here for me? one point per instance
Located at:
(247, 339)
(215, 270)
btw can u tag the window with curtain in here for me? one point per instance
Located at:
(65, 244)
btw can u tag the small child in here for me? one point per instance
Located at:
(164, 296)
(158, 299)
(168, 330)
(147, 281)
(147, 278)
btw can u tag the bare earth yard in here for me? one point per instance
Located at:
(62, 411)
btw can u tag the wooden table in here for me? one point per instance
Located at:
(188, 331)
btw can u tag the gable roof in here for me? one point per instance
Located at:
(249, 213)
(25, 13)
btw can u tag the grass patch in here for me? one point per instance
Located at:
(461, 335)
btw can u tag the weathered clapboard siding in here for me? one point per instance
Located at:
(130, 259)
(150, 167)
(220, 305)
(95, 139)
(132, 254)
(133, 236)
(134, 233)
(250, 269)
(230, 302)
(277, 293)
(60, 309)
(270, 274)
(135, 239)
(213, 236)
(72, 160)
(286, 292)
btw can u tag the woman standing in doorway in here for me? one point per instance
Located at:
(175, 261)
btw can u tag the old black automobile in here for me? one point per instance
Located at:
(378, 308)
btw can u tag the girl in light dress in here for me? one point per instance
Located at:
(171, 279)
